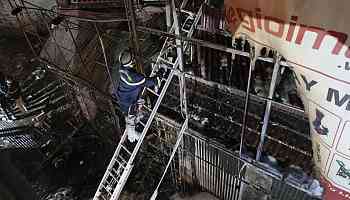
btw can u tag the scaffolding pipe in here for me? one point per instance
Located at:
(205, 43)
(133, 34)
(246, 106)
(178, 142)
(268, 106)
(36, 7)
(104, 56)
(168, 15)
(179, 47)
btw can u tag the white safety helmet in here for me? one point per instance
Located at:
(126, 58)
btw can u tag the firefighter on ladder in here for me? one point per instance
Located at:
(131, 84)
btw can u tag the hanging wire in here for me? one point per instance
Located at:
(35, 30)
(76, 47)
(105, 57)
(54, 41)
(22, 29)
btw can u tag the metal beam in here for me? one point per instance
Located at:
(246, 106)
(268, 106)
(179, 48)
(130, 12)
(205, 43)
(168, 15)
(36, 7)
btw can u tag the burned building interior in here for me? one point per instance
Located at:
(201, 135)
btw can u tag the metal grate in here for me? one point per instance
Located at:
(216, 172)
(18, 141)
(206, 165)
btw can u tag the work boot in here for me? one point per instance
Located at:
(130, 128)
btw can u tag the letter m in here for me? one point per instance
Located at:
(334, 94)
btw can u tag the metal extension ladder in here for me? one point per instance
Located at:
(121, 163)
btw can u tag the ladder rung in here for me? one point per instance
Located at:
(112, 175)
(115, 171)
(144, 125)
(153, 92)
(109, 190)
(125, 149)
(166, 61)
(122, 159)
(110, 182)
(147, 108)
(103, 196)
(105, 189)
(119, 163)
(171, 44)
(119, 168)
(188, 12)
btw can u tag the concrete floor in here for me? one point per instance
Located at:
(199, 196)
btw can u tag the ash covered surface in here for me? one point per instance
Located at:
(69, 156)
(218, 114)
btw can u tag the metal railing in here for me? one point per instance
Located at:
(204, 165)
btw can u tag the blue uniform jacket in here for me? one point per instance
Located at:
(131, 84)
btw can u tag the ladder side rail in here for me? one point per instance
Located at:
(127, 170)
(179, 51)
(121, 182)
(183, 4)
(177, 144)
(196, 20)
(126, 173)
(162, 50)
(110, 165)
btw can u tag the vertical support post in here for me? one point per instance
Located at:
(268, 105)
(134, 38)
(244, 124)
(253, 58)
(177, 144)
(177, 32)
(168, 15)
(180, 61)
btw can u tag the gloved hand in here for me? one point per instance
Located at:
(157, 83)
